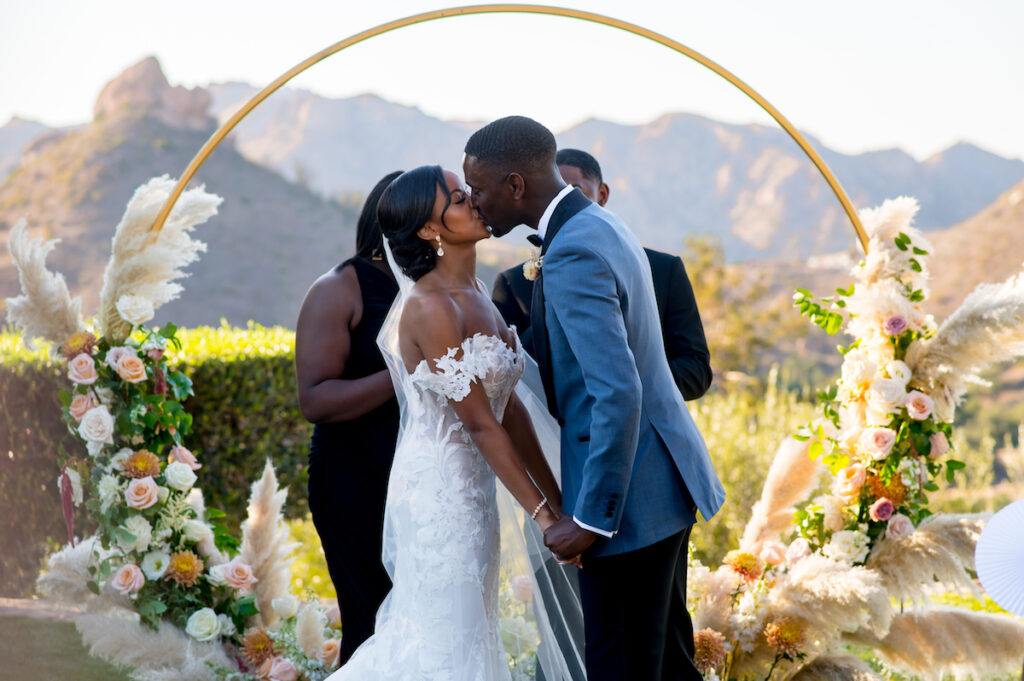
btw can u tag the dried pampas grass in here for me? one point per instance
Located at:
(941, 550)
(309, 629)
(145, 263)
(45, 308)
(68, 572)
(987, 328)
(792, 475)
(935, 642)
(265, 544)
(117, 636)
(836, 668)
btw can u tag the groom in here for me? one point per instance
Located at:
(634, 467)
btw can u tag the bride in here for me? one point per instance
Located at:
(455, 365)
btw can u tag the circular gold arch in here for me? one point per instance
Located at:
(228, 126)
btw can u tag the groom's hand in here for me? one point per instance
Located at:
(567, 539)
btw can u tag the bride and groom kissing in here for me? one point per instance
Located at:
(634, 468)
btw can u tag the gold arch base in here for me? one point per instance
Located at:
(228, 126)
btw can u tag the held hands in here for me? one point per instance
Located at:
(567, 540)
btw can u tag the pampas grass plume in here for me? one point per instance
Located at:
(836, 668)
(791, 476)
(265, 544)
(68, 572)
(45, 308)
(309, 629)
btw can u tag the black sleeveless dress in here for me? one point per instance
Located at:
(349, 464)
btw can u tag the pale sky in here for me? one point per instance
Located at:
(915, 74)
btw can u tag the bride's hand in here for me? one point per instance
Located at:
(546, 518)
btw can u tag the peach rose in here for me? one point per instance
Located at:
(142, 493)
(181, 455)
(849, 481)
(116, 353)
(128, 579)
(329, 653)
(238, 575)
(131, 369)
(278, 669)
(81, 404)
(877, 442)
(919, 405)
(939, 443)
(773, 553)
(82, 370)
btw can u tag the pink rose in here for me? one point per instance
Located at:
(81, 404)
(116, 353)
(334, 616)
(142, 493)
(128, 579)
(278, 669)
(881, 510)
(894, 325)
(82, 370)
(939, 443)
(899, 526)
(849, 481)
(773, 553)
(238, 575)
(155, 354)
(329, 653)
(797, 551)
(182, 455)
(877, 442)
(919, 405)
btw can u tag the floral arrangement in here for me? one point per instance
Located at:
(163, 587)
(788, 610)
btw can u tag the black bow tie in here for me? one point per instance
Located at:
(535, 240)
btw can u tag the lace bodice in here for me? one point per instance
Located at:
(485, 358)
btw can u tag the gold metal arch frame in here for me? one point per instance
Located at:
(228, 126)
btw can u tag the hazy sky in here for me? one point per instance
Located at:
(917, 74)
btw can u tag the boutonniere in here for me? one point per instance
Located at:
(531, 268)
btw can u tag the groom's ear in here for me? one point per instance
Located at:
(516, 186)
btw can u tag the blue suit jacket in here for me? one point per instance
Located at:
(633, 461)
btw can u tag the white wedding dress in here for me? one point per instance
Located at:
(441, 530)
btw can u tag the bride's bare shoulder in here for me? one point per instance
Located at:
(429, 310)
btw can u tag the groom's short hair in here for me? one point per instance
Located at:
(513, 143)
(577, 158)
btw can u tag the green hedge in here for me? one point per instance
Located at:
(245, 410)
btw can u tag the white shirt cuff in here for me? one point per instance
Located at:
(595, 530)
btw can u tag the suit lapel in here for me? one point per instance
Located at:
(573, 203)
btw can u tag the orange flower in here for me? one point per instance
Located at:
(141, 464)
(257, 647)
(709, 650)
(895, 491)
(786, 635)
(78, 343)
(184, 567)
(746, 565)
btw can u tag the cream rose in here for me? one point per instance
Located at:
(97, 429)
(898, 370)
(285, 606)
(849, 481)
(154, 564)
(182, 455)
(919, 405)
(238, 575)
(142, 493)
(215, 576)
(225, 625)
(131, 369)
(179, 476)
(939, 444)
(196, 530)
(143, 531)
(857, 369)
(847, 546)
(202, 625)
(162, 493)
(899, 526)
(134, 309)
(877, 443)
(80, 404)
(329, 653)
(886, 395)
(128, 579)
(82, 370)
(797, 551)
(117, 353)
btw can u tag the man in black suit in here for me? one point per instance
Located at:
(685, 345)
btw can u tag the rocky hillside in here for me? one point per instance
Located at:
(271, 238)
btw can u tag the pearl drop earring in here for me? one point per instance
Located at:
(440, 248)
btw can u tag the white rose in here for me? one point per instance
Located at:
(179, 476)
(285, 606)
(847, 546)
(154, 564)
(899, 526)
(117, 461)
(134, 309)
(162, 493)
(117, 353)
(215, 576)
(877, 442)
(886, 395)
(857, 368)
(109, 492)
(203, 625)
(97, 428)
(898, 370)
(142, 530)
(76, 485)
(196, 530)
(226, 627)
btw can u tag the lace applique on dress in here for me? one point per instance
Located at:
(481, 355)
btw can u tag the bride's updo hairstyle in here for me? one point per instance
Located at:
(405, 206)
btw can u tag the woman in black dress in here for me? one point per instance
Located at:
(346, 392)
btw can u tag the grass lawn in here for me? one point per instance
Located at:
(33, 649)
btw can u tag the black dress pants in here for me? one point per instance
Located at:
(634, 610)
